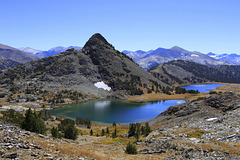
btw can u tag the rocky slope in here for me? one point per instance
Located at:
(181, 72)
(15, 54)
(81, 70)
(202, 129)
(161, 55)
(7, 63)
(16, 143)
(213, 106)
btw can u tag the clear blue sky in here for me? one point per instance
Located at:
(196, 25)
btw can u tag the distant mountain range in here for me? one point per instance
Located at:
(148, 59)
(50, 52)
(11, 57)
(161, 55)
(15, 54)
(231, 58)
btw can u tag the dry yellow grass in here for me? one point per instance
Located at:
(124, 141)
(229, 87)
(226, 147)
(97, 129)
(157, 126)
(191, 132)
(161, 96)
(69, 149)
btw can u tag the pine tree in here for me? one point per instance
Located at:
(142, 130)
(103, 132)
(91, 132)
(55, 132)
(131, 149)
(138, 131)
(147, 129)
(70, 132)
(33, 123)
(132, 130)
(114, 134)
(107, 133)
(68, 128)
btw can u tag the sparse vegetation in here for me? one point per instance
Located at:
(12, 117)
(91, 132)
(55, 133)
(67, 127)
(33, 123)
(131, 149)
(82, 121)
(135, 129)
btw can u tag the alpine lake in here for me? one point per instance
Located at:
(107, 111)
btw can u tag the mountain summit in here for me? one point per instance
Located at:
(97, 38)
(97, 69)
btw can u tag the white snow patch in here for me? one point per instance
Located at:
(211, 119)
(194, 55)
(102, 85)
(180, 102)
(213, 56)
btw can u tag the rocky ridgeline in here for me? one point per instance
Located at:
(18, 144)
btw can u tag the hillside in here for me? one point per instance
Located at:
(15, 54)
(7, 63)
(161, 55)
(182, 72)
(98, 69)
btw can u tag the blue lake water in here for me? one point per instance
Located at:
(202, 87)
(108, 111)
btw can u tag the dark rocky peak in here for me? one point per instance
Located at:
(99, 50)
(97, 40)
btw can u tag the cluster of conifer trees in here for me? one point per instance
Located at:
(65, 129)
(136, 129)
(31, 121)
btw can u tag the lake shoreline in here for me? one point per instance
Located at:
(147, 98)
(187, 97)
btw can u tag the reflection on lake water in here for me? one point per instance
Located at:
(108, 111)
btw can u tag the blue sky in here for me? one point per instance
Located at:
(196, 25)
